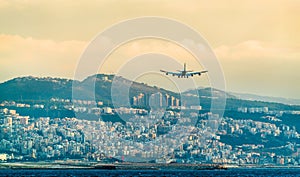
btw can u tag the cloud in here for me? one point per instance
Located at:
(254, 49)
(134, 48)
(261, 67)
(26, 55)
(250, 66)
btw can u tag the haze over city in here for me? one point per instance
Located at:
(257, 43)
(149, 88)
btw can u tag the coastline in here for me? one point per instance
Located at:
(132, 166)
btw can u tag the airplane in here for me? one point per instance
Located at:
(183, 73)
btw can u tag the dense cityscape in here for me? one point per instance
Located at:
(172, 136)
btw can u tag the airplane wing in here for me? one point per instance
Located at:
(171, 73)
(195, 73)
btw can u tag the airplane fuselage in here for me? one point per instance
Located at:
(183, 73)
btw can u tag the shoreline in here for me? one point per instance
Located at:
(132, 166)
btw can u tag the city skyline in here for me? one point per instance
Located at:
(257, 46)
(98, 140)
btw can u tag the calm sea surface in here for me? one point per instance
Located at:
(133, 173)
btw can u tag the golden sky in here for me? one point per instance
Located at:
(257, 42)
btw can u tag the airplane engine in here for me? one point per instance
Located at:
(183, 73)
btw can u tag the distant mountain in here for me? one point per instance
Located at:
(28, 89)
(205, 95)
(103, 85)
(35, 89)
(246, 96)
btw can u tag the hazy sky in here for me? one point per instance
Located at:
(257, 42)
